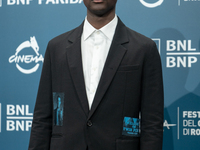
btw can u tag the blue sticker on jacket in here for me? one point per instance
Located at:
(58, 108)
(131, 127)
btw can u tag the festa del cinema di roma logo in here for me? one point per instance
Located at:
(151, 5)
(27, 59)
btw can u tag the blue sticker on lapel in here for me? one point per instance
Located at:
(58, 108)
(131, 127)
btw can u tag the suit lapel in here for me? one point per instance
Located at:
(75, 67)
(115, 56)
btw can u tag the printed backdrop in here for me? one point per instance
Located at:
(26, 26)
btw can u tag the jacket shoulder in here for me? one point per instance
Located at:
(139, 38)
(144, 45)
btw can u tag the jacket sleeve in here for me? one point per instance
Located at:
(42, 118)
(152, 102)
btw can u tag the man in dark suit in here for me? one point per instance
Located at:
(109, 81)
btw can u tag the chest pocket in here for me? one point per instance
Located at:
(128, 68)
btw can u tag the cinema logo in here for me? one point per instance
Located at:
(18, 118)
(187, 1)
(151, 5)
(40, 2)
(180, 53)
(27, 59)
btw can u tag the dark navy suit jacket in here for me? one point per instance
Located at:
(131, 83)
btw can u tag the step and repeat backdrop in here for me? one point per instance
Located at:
(26, 26)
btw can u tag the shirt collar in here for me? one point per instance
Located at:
(108, 30)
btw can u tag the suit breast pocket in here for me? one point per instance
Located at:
(128, 68)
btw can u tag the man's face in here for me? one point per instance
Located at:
(100, 7)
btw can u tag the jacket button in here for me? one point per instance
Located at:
(89, 123)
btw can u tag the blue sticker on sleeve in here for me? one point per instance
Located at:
(131, 127)
(58, 108)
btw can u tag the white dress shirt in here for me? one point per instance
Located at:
(95, 45)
